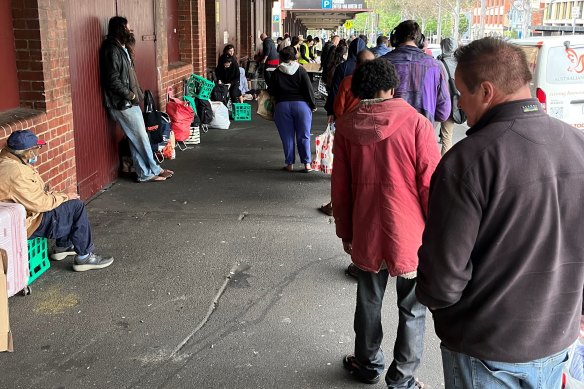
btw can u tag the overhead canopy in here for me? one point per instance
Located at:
(325, 14)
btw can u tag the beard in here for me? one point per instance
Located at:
(130, 39)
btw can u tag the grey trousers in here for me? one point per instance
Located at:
(409, 342)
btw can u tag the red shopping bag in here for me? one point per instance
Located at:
(181, 116)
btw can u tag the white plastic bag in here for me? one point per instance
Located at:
(266, 105)
(323, 158)
(574, 369)
(221, 116)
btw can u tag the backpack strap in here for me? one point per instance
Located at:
(451, 84)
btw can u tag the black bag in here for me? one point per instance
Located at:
(220, 93)
(458, 115)
(160, 137)
(152, 117)
(204, 111)
(162, 132)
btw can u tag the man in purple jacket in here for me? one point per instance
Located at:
(422, 81)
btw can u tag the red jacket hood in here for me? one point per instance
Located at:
(374, 120)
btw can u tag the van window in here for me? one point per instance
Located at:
(531, 54)
(565, 66)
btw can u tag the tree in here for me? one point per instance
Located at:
(447, 16)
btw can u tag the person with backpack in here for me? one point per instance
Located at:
(456, 114)
(423, 83)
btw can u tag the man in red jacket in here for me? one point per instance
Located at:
(385, 154)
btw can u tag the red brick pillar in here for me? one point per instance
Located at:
(199, 29)
(42, 55)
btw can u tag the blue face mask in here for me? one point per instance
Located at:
(33, 160)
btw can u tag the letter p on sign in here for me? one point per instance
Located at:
(327, 4)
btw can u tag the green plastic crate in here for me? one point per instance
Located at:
(38, 258)
(241, 112)
(199, 87)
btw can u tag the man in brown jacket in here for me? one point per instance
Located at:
(49, 214)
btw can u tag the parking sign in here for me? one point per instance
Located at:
(327, 4)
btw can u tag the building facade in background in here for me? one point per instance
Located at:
(524, 18)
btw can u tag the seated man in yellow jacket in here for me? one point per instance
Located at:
(49, 214)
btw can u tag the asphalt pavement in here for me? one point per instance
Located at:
(225, 276)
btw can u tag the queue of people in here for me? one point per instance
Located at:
(487, 237)
(398, 206)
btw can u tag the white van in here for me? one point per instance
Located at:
(557, 64)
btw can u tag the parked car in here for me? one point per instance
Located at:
(557, 64)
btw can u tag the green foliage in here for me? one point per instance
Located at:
(388, 21)
(359, 22)
(391, 12)
(432, 27)
(447, 25)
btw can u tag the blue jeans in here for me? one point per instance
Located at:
(409, 342)
(132, 123)
(293, 119)
(462, 371)
(68, 225)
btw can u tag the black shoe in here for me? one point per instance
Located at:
(350, 363)
(352, 271)
(327, 209)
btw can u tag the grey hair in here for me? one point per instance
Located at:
(19, 153)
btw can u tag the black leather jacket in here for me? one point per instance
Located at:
(114, 67)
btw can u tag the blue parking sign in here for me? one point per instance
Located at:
(327, 4)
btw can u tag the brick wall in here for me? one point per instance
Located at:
(191, 27)
(537, 17)
(199, 31)
(40, 35)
